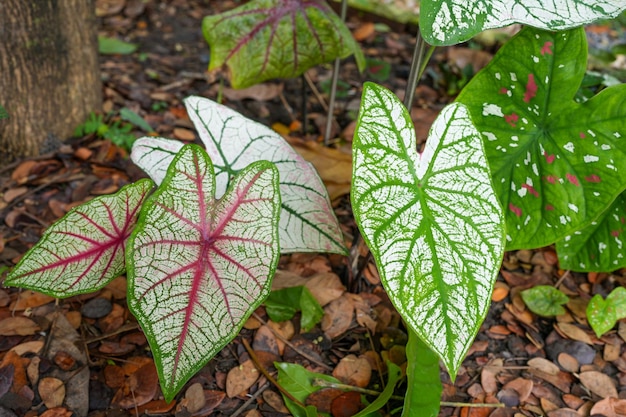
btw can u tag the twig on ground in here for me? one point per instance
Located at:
(250, 400)
(291, 345)
(267, 375)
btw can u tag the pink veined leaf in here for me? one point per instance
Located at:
(266, 39)
(84, 250)
(198, 267)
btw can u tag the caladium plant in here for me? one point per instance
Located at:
(433, 222)
(555, 163)
(186, 251)
(447, 22)
(198, 267)
(266, 39)
(600, 246)
(307, 220)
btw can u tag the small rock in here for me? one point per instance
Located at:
(509, 397)
(96, 308)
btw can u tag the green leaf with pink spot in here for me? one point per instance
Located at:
(85, 249)
(307, 220)
(447, 22)
(555, 163)
(197, 266)
(433, 222)
(266, 39)
(599, 247)
(603, 314)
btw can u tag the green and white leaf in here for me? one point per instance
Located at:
(555, 163)
(603, 314)
(600, 246)
(448, 22)
(197, 266)
(265, 39)
(84, 250)
(432, 222)
(307, 219)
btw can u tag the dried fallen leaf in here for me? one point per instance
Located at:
(51, 391)
(599, 383)
(337, 316)
(333, 166)
(275, 400)
(522, 386)
(609, 407)
(30, 299)
(346, 405)
(568, 362)
(259, 92)
(18, 326)
(240, 378)
(353, 371)
(574, 332)
(139, 389)
(544, 365)
(57, 412)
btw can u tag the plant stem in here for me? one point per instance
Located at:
(327, 384)
(333, 84)
(267, 375)
(421, 55)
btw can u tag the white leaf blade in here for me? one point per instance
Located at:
(432, 222)
(154, 155)
(446, 22)
(307, 221)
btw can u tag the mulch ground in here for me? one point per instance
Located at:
(86, 355)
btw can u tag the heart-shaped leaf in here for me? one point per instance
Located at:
(433, 223)
(266, 39)
(307, 220)
(447, 22)
(84, 250)
(545, 300)
(555, 163)
(198, 267)
(600, 246)
(603, 314)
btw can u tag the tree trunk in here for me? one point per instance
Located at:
(49, 72)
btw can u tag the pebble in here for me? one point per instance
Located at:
(96, 308)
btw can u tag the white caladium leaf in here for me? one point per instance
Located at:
(600, 246)
(307, 220)
(154, 155)
(84, 250)
(197, 266)
(447, 22)
(432, 222)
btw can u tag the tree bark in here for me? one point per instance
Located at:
(49, 72)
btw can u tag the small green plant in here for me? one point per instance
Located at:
(117, 131)
(602, 314)
(3, 113)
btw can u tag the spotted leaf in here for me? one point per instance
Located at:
(266, 39)
(84, 250)
(432, 222)
(197, 266)
(447, 22)
(555, 163)
(604, 314)
(307, 220)
(600, 246)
